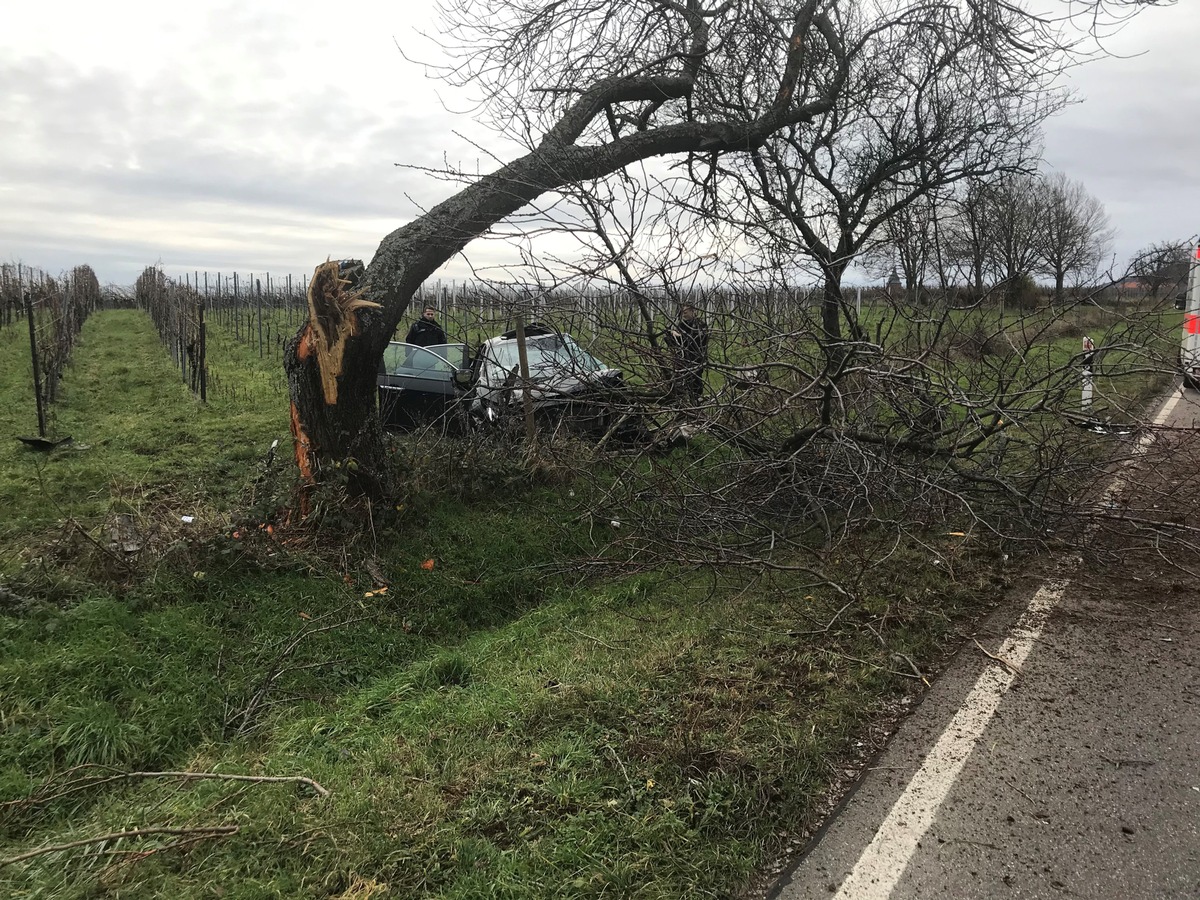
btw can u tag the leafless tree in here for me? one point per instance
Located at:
(967, 237)
(1015, 207)
(1075, 231)
(594, 87)
(911, 242)
(928, 102)
(920, 115)
(1163, 264)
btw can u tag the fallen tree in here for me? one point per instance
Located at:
(607, 85)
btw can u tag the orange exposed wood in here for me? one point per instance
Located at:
(305, 348)
(304, 458)
(303, 446)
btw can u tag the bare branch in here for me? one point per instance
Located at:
(203, 832)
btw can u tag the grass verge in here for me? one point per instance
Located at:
(486, 721)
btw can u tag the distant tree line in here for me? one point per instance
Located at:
(1163, 266)
(1000, 236)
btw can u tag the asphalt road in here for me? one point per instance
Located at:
(1072, 769)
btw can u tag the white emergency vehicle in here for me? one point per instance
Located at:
(1189, 355)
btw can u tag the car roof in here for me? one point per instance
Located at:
(532, 330)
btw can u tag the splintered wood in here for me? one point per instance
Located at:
(332, 321)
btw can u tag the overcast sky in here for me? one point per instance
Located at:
(263, 135)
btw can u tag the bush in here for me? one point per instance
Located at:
(1022, 293)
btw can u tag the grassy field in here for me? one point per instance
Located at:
(444, 705)
(140, 439)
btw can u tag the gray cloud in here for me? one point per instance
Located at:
(88, 144)
(263, 136)
(1132, 139)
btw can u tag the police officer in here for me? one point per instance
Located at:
(426, 332)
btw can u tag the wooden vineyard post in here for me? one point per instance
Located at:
(37, 375)
(202, 341)
(258, 297)
(526, 392)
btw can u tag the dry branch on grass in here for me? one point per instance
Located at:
(193, 833)
(245, 718)
(188, 835)
(107, 775)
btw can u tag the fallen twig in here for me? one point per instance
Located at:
(912, 665)
(123, 563)
(595, 640)
(87, 783)
(198, 776)
(1126, 761)
(278, 668)
(1165, 524)
(213, 831)
(864, 662)
(828, 625)
(1016, 670)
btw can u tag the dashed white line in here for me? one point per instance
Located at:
(883, 862)
(887, 856)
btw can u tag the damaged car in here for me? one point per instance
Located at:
(422, 387)
(447, 387)
(568, 385)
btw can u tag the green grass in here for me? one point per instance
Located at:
(142, 442)
(577, 740)
(501, 724)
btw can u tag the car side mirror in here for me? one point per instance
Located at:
(462, 378)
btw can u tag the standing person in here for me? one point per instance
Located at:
(689, 337)
(426, 332)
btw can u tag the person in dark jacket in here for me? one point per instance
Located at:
(689, 339)
(426, 332)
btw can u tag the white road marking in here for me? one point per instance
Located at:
(1161, 418)
(883, 862)
(887, 856)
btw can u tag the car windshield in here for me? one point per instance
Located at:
(409, 359)
(549, 355)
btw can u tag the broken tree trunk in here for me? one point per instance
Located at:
(332, 365)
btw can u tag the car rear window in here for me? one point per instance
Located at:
(548, 354)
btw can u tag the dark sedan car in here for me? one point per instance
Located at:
(423, 386)
(567, 382)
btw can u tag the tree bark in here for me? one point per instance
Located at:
(835, 349)
(332, 378)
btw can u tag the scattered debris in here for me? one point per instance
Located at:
(123, 535)
(1016, 670)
